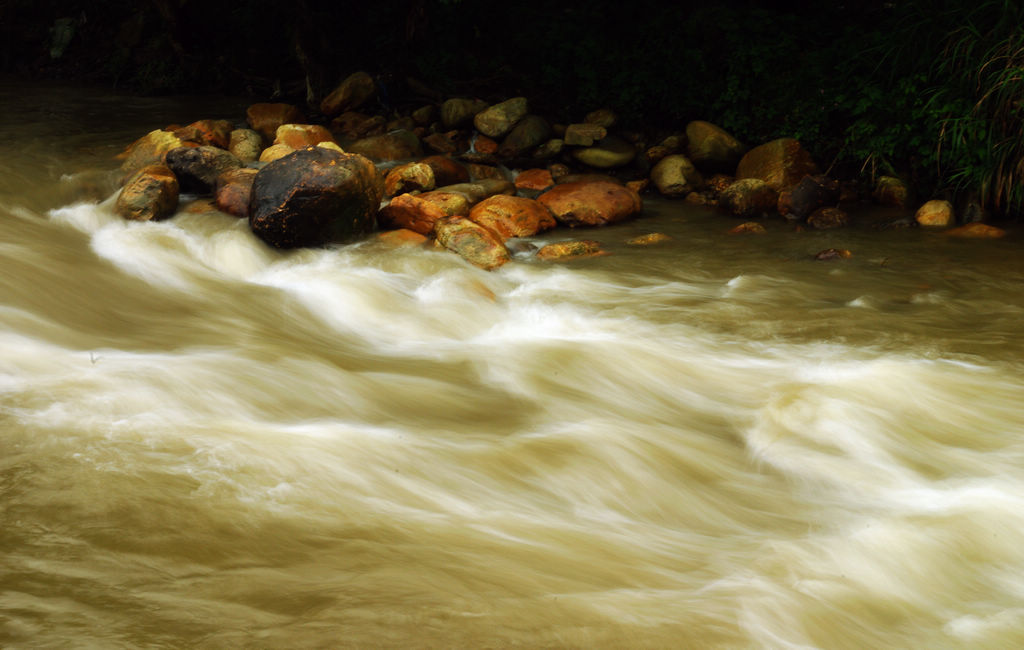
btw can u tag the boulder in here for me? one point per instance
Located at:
(150, 193)
(446, 170)
(549, 149)
(233, 191)
(749, 197)
(245, 144)
(534, 179)
(890, 190)
(350, 94)
(512, 216)
(529, 133)
(424, 115)
(274, 152)
(607, 153)
(457, 112)
(676, 176)
(215, 133)
(828, 218)
(604, 117)
(570, 250)
(476, 244)
(976, 230)
(197, 168)
(150, 149)
(935, 213)
(584, 135)
(781, 163)
(352, 125)
(811, 193)
(591, 204)
(298, 136)
(712, 148)
(314, 196)
(409, 177)
(399, 145)
(264, 118)
(497, 120)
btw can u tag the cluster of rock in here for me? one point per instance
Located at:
(441, 173)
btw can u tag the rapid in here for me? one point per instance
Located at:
(716, 442)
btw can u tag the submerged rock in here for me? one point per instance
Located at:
(828, 218)
(833, 254)
(570, 250)
(649, 239)
(976, 231)
(314, 196)
(150, 193)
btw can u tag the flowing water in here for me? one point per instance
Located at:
(715, 442)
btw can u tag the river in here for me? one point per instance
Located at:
(715, 442)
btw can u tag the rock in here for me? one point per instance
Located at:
(477, 172)
(675, 175)
(350, 94)
(401, 124)
(299, 136)
(607, 153)
(233, 191)
(712, 148)
(457, 112)
(512, 216)
(442, 143)
(649, 239)
(333, 146)
(604, 117)
(424, 115)
(215, 133)
(719, 182)
(558, 171)
(828, 218)
(409, 177)
(833, 254)
(639, 186)
(265, 118)
(935, 213)
(245, 144)
(419, 213)
(656, 153)
(399, 145)
(497, 120)
(475, 243)
(748, 227)
(781, 163)
(584, 134)
(353, 126)
(811, 193)
(314, 196)
(591, 204)
(976, 231)
(150, 193)
(570, 250)
(483, 144)
(446, 170)
(749, 197)
(150, 149)
(401, 238)
(585, 178)
(479, 190)
(453, 204)
(549, 149)
(197, 168)
(701, 198)
(274, 152)
(528, 133)
(534, 179)
(890, 191)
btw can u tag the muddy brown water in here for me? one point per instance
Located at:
(712, 442)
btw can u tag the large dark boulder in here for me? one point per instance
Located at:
(811, 193)
(314, 196)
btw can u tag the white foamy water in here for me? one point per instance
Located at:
(716, 442)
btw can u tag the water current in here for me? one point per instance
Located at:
(715, 442)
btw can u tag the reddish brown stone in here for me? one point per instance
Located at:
(749, 197)
(215, 133)
(639, 186)
(976, 231)
(413, 213)
(512, 216)
(647, 240)
(570, 250)
(446, 170)
(353, 125)
(476, 172)
(400, 145)
(265, 118)
(591, 204)
(298, 136)
(453, 204)
(828, 218)
(234, 191)
(409, 177)
(747, 227)
(483, 144)
(442, 143)
(833, 254)
(401, 238)
(534, 179)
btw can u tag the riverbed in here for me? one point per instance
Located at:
(712, 442)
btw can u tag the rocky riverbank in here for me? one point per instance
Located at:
(471, 176)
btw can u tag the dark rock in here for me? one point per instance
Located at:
(749, 197)
(529, 133)
(197, 168)
(828, 218)
(446, 170)
(350, 94)
(265, 118)
(811, 193)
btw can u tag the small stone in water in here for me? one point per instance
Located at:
(833, 254)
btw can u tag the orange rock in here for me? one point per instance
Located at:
(265, 118)
(976, 231)
(476, 244)
(477, 172)
(409, 177)
(233, 191)
(647, 240)
(781, 163)
(748, 227)
(453, 204)
(483, 144)
(150, 149)
(639, 186)
(401, 238)
(150, 193)
(570, 250)
(420, 213)
(216, 133)
(591, 204)
(935, 213)
(298, 136)
(275, 151)
(512, 216)
(534, 179)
